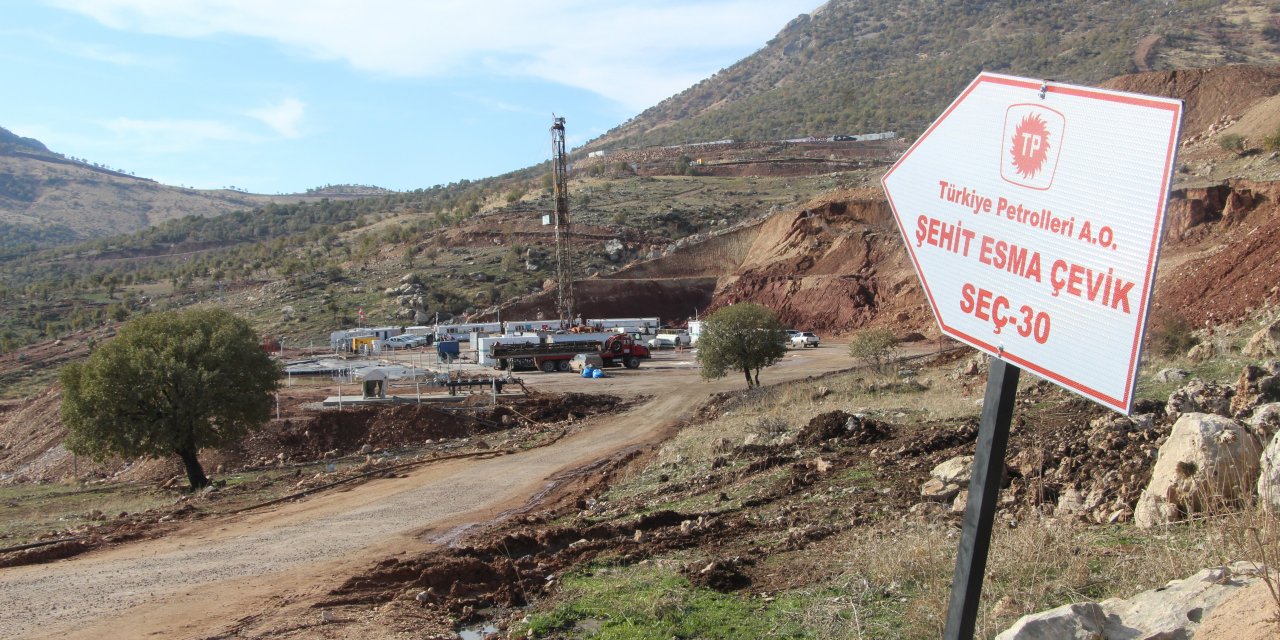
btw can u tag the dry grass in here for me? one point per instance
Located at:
(929, 395)
(894, 580)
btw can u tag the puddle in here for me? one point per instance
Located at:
(478, 632)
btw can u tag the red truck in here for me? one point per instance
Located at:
(618, 350)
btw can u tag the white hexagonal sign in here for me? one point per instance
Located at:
(1033, 213)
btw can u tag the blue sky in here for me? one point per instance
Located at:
(281, 95)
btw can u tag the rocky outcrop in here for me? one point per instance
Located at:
(1208, 461)
(1199, 396)
(1265, 343)
(1256, 385)
(1171, 612)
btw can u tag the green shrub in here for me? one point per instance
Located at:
(876, 347)
(1232, 142)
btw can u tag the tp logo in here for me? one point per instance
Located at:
(1031, 144)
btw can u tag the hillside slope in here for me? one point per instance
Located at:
(857, 67)
(836, 264)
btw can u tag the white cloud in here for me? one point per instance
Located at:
(283, 118)
(635, 53)
(172, 135)
(91, 51)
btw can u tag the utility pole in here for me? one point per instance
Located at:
(563, 225)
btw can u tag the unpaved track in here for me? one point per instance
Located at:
(215, 575)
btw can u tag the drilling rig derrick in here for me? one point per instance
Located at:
(563, 225)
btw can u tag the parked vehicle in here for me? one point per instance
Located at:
(616, 350)
(404, 341)
(583, 360)
(669, 340)
(447, 350)
(805, 339)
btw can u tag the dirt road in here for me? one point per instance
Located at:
(216, 575)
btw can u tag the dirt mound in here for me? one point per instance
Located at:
(346, 432)
(835, 264)
(838, 424)
(29, 430)
(31, 434)
(1209, 94)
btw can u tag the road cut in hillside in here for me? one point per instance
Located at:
(219, 574)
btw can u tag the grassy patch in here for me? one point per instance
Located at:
(31, 510)
(647, 601)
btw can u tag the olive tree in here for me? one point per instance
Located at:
(169, 383)
(743, 337)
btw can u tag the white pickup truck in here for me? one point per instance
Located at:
(804, 339)
(669, 340)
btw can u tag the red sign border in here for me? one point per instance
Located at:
(1125, 403)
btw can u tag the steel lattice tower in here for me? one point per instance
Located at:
(563, 225)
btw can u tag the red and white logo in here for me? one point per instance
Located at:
(1032, 141)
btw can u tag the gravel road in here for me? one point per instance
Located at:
(206, 578)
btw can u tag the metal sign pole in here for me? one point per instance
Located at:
(984, 490)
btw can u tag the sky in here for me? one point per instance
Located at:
(277, 96)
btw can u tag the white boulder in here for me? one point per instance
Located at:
(1171, 612)
(1082, 621)
(1208, 460)
(954, 471)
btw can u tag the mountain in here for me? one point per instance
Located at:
(49, 199)
(858, 66)
(14, 143)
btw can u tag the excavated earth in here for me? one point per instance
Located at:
(770, 500)
(406, 435)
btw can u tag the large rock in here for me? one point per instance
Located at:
(1199, 396)
(1248, 615)
(935, 490)
(1265, 343)
(1208, 460)
(613, 249)
(1269, 476)
(1083, 621)
(947, 479)
(1175, 610)
(1171, 612)
(1172, 374)
(1202, 352)
(954, 471)
(1265, 421)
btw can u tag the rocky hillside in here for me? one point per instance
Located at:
(855, 66)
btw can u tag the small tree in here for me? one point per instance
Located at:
(876, 347)
(169, 383)
(742, 337)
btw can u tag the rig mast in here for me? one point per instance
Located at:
(563, 225)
